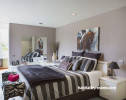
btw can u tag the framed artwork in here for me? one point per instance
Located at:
(42, 45)
(88, 39)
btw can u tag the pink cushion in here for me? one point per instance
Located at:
(13, 77)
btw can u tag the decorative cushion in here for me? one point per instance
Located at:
(65, 65)
(74, 57)
(78, 57)
(83, 64)
(70, 59)
(62, 57)
(92, 55)
(66, 59)
(88, 64)
(35, 54)
(6, 74)
(73, 61)
(28, 55)
(78, 53)
(76, 65)
(13, 77)
(31, 54)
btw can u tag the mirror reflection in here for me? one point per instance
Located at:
(33, 48)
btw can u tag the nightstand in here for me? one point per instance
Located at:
(119, 93)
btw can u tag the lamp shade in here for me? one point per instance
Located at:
(114, 65)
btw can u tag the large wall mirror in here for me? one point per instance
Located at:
(33, 46)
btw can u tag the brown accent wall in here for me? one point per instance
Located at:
(112, 34)
(18, 30)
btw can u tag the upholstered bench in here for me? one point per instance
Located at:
(12, 89)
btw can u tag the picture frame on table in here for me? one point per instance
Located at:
(13, 63)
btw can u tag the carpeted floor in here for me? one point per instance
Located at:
(18, 98)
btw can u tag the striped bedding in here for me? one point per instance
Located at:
(54, 90)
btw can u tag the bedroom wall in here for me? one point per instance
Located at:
(18, 30)
(112, 34)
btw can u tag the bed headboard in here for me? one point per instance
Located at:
(103, 67)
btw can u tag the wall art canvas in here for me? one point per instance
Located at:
(88, 39)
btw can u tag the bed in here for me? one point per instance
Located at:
(68, 88)
(92, 79)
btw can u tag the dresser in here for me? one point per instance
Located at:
(117, 91)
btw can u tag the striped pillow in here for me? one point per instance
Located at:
(88, 64)
(65, 65)
(35, 54)
(76, 65)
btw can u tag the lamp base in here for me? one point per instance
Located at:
(112, 77)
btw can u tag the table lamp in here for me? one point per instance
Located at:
(113, 65)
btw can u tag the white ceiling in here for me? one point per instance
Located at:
(53, 13)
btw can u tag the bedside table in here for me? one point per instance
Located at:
(119, 93)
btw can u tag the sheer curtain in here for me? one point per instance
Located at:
(4, 40)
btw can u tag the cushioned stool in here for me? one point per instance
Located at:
(12, 89)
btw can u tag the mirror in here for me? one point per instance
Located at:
(31, 45)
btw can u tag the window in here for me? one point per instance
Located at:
(4, 40)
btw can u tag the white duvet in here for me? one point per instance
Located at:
(94, 77)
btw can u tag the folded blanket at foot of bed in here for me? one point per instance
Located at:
(38, 74)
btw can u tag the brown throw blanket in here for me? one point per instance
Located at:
(36, 74)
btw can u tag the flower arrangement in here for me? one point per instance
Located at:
(54, 47)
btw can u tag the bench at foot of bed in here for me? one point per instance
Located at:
(12, 89)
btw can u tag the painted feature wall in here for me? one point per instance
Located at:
(18, 30)
(112, 34)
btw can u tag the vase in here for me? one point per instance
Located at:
(54, 57)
